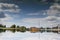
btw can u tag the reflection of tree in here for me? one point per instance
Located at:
(13, 30)
(21, 29)
(18, 28)
(48, 29)
(2, 26)
(2, 30)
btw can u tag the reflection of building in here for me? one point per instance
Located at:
(34, 29)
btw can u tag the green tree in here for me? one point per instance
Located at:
(27, 29)
(4, 26)
(1, 25)
(13, 26)
(13, 30)
(23, 29)
(18, 27)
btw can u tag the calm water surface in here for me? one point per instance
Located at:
(29, 36)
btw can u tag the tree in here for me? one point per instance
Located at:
(1, 25)
(4, 26)
(13, 26)
(13, 30)
(22, 28)
(18, 27)
(27, 29)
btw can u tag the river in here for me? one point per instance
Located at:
(8, 35)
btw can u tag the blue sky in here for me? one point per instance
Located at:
(30, 12)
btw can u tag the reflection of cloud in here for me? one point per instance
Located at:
(17, 36)
(49, 36)
(29, 36)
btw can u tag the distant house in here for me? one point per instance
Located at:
(34, 29)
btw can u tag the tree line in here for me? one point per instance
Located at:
(13, 28)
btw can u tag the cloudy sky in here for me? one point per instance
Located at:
(45, 13)
(37, 13)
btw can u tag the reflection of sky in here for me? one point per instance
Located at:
(28, 36)
(19, 36)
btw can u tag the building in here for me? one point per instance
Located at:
(34, 29)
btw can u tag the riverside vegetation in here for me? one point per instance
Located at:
(15, 28)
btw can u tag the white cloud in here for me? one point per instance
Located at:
(51, 20)
(54, 9)
(5, 19)
(9, 7)
(41, 12)
(32, 14)
(38, 22)
(53, 17)
(8, 17)
(32, 20)
(29, 22)
(54, 13)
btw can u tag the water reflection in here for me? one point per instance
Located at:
(23, 29)
(31, 31)
(29, 36)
